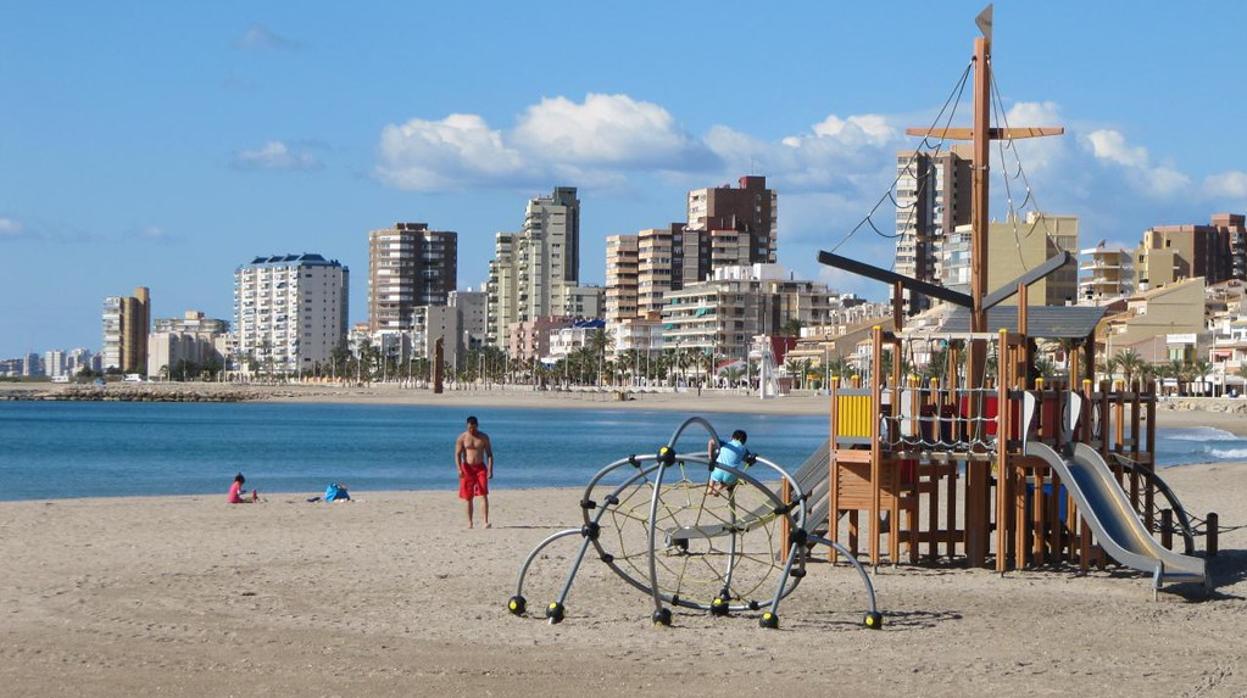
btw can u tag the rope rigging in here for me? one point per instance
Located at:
(954, 99)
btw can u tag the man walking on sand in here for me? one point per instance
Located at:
(474, 457)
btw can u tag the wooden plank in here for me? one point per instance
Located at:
(962, 133)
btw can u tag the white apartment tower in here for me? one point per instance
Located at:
(290, 311)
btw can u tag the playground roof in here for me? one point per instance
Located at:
(1044, 321)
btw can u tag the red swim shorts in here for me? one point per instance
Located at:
(473, 481)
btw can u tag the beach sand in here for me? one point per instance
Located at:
(390, 595)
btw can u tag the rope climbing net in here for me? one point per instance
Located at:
(663, 526)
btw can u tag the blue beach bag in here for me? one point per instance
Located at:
(335, 492)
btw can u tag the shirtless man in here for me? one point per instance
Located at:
(474, 457)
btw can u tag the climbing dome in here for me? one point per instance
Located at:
(655, 522)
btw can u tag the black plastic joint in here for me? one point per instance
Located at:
(675, 599)
(588, 504)
(751, 458)
(799, 536)
(611, 499)
(608, 558)
(754, 605)
(590, 530)
(666, 455)
(633, 461)
(797, 573)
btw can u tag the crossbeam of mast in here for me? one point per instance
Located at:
(891, 277)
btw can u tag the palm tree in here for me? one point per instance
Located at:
(1200, 369)
(1107, 368)
(1129, 361)
(793, 368)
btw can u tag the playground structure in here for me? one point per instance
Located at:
(653, 521)
(1010, 471)
(985, 461)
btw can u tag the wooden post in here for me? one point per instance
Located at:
(833, 477)
(1004, 473)
(1211, 523)
(933, 495)
(876, 411)
(1149, 503)
(1166, 528)
(439, 363)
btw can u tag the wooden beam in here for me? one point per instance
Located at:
(963, 133)
(890, 277)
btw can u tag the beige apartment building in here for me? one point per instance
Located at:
(1169, 253)
(1158, 320)
(408, 266)
(1013, 247)
(536, 272)
(127, 323)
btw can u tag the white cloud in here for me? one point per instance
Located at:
(1158, 181)
(606, 129)
(460, 150)
(10, 229)
(1228, 185)
(275, 155)
(1109, 144)
(867, 128)
(260, 38)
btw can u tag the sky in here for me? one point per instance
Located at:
(164, 144)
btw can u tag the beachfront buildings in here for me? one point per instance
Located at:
(408, 266)
(470, 306)
(535, 272)
(580, 334)
(725, 227)
(1217, 251)
(54, 363)
(181, 347)
(1014, 246)
(530, 339)
(1105, 274)
(126, 320)
(290, 311)
(721, 316)
(932, 199)
(1160, 324)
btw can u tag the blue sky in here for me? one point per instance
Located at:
(162, 144)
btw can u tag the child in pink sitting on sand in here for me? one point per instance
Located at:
(236, 493)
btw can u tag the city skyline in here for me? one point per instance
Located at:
(168, 134)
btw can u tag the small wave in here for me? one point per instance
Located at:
(1196, 434)
(1228, 453)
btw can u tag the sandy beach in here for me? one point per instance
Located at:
(390, 595)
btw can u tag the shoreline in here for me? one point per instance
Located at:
(1226, 414)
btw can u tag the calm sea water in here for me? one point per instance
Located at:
(88, 449)
(93, 449)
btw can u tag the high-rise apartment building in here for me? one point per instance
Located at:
(54, 363)
(1169, 253)
(408, 266)
(290, 311)
(750, 211)
(536, 271)
(191, 321)
(127, 321)
(932, 199)
(621, 277)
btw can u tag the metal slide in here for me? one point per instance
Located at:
(1105, 506)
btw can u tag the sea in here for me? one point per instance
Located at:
(112, 449)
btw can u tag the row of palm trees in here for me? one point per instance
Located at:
(1129, 365)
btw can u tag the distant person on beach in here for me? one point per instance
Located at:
(474, 458)
(237, 495)
(730, 453)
